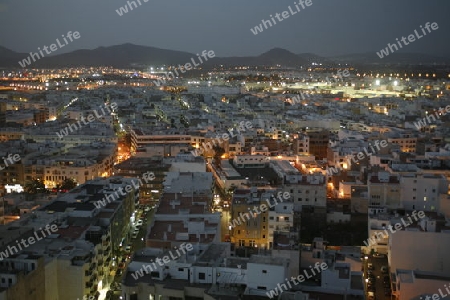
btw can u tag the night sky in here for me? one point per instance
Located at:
(327, 28)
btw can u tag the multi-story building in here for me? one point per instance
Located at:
(412, 261)
(249, 228)
(384, 190)
(318, 142)
(41, 116)
(96, 160)
(10, 133)
(71, 133)
(406, 140)
(142, 138)
(422, 191)
(281, 219)
(305, 190)
(76, 260)
(136, 167)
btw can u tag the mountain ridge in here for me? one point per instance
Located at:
(131, 55)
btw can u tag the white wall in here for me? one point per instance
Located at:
(426, 251)
(274, 274)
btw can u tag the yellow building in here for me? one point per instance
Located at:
(250, 218)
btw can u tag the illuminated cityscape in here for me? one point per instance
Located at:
(183, 173)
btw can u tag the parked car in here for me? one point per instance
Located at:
(370, 266)
(146, 209)
(128, 248)
(139, 223)
(134, 235)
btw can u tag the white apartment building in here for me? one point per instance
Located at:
(281, 218)
(422, 191)
(79, 135)
(305, 190)
(419, 255)
(140, 137)
(250, 161)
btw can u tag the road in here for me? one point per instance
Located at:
(136, 244)
(224, 224)
(379, 285)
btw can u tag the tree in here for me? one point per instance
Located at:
(35, 187)
(218, 152)
(67, 184)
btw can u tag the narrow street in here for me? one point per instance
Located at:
(137, 244)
